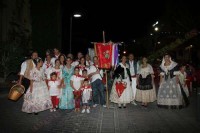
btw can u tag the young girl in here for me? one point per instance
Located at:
(37, 97)
(76, 82)
(86, 95)
(54, 90)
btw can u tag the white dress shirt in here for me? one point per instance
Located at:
(24, 66)
(95, 76)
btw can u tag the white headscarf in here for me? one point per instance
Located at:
(171, 66)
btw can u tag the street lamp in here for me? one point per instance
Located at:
(70, 36)
(156, 28)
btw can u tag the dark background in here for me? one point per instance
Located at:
(121, 21)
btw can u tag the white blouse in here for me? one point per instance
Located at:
(144, 71)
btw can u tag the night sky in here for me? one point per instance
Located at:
(121, 21)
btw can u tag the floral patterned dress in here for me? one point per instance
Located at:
(39, 99)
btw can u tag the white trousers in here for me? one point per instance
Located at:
(134, 86)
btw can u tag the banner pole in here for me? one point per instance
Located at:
(107, 99)
(104, 40)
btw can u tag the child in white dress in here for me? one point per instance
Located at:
(54, 90)
(86, 95)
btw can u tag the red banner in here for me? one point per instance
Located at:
(104, 53)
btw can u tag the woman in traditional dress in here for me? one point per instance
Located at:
(37, 97)
(169, 93)
(67, 98)
(122, 74)
(145, 83)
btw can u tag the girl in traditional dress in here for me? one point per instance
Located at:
(86, 95)
(169, 93)
(67, 98)
(122, 73)
(54, 90)
(76, 83)
(37, 97)
(145, 85)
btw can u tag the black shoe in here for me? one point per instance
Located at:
(35, 113)
(119, 107)
(124, 106)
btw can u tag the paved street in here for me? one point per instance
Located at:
(133, 119)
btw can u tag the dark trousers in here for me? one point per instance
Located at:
(98, 90)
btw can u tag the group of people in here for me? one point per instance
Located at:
(139, 83)
(60, 82)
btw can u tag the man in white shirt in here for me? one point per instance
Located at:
(26, 67)
(97, 84)
(133, 67)
(57, 53)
